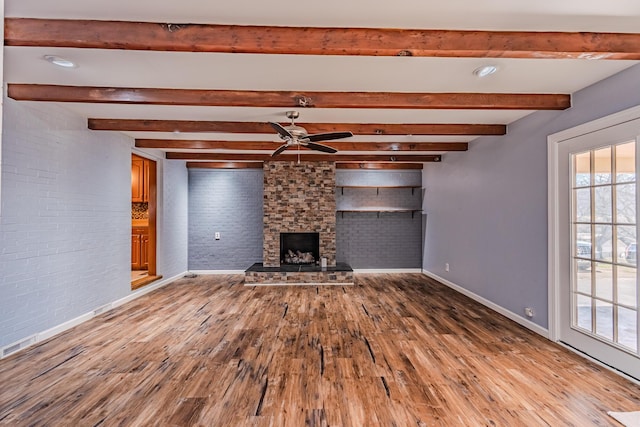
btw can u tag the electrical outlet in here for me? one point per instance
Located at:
(446, 266)
(217, 235)
(528, 311)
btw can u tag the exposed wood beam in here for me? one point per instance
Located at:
(134, 125)
(379, 166)
(318, 41)
(239, 98)
(225, 165)
(305, 156)
(183, 144)
(259, 165)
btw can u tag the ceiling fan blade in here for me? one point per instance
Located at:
(320, 147)
(328, 136)
(282, 131)
(280, 150)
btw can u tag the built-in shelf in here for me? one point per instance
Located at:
(378, 187)
(382, 210)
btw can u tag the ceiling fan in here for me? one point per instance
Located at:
(294, 135)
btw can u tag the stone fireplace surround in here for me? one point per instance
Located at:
(299, 197)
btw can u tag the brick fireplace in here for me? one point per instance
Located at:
(299, 198)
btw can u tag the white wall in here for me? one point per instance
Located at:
(487, 207)
(173, 212)
(65, 221)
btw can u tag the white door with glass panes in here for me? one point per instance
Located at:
(597, 258)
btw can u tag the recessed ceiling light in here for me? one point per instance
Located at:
(60, 62)
(485, 70)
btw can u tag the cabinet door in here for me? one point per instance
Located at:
(135, 252)
(144, 252)
(137, 180)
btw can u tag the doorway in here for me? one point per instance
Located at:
(593, 238)
(143, 221)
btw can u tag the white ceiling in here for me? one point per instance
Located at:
(320, 73)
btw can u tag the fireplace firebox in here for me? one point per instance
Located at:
(299, 248)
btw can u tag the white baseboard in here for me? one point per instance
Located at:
(387, 270)
(493, 306)
(44, 335)
(205, 272)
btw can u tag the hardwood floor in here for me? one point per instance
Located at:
(393, 350)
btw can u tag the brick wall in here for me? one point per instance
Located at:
(65, 224)
(299, 198)
(65, 230)
(173, 204)
(367, 240)
(228, 202)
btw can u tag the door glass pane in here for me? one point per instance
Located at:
(583, 276)
(604, 281)
(626, 286)
(628, 328)
(626, 203)
(602, 196)
(626, 244)
(583, 312)
(582, 166)
(602, 166)
(583, 241)
(603, 242)
(604, 319)
(626, 162)
(583, 204)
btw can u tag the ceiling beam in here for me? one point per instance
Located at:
(182, 144)
(225, 165)
(379, 166)
(289, 99)
(259, 165)
(141, 125)
(305, 156)
(318, 41)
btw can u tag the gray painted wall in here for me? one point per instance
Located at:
(388, 240)
(487, 208)
(229, 202)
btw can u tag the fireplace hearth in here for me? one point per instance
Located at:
(299, 248)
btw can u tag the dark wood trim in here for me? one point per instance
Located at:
(224, 165)
(142, 125)
(381, 166)
(183, 144)
(306, 156)
(318, 41)
(240, 98)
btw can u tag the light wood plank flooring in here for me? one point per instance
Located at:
(393, 350)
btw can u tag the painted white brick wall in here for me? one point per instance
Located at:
(65, 219)
(64, 236)
(173, 218)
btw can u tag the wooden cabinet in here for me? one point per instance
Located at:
(139, 179)
(139, 248)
